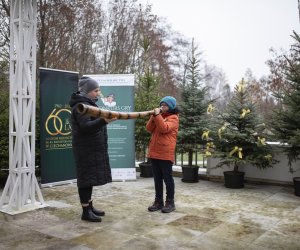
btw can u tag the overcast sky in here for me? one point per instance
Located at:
(234, 34)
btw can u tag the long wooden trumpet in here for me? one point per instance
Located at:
(97, 112)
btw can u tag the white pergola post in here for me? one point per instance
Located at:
(22, 192)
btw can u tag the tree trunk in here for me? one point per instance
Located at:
(190, 157)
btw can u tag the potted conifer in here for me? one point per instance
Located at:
(194, 100)
(239, 137)
(147, 97)
(286, 119)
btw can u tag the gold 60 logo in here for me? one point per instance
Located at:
(58, 122)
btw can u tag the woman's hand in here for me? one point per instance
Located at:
(110, 120)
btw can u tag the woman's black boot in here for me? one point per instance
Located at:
(88, 215)
(96, 211)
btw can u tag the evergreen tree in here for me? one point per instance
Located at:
(193, 106)
(147, 97)
(286, 119)
(239, 136)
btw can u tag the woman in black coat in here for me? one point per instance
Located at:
(89, 142)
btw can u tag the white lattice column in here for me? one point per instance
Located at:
(21, 192)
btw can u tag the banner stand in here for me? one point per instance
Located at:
(57, 161)
(117, 94)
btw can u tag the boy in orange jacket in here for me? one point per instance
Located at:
(163, 126)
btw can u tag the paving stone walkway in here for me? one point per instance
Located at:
(208, 216)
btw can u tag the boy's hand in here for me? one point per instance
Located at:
(157, 111)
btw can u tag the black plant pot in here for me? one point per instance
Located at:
(190, 174)
(297, 185)
(146, 169)
(234, 179)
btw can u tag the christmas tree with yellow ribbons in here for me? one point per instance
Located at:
(237, 136)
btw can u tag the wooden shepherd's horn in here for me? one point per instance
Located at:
(97, 112)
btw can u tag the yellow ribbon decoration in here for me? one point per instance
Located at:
(268, 157)
(241, 86)
(220, 130)
(261, 141)
(238, 150)
(205, 135)
(207, 153)
(209, 145)
(210, 108)
(244, 112)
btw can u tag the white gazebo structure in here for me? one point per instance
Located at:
(22, 192)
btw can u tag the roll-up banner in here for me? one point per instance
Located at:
(117, 94)
(57, 162)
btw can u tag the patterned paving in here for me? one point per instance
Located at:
(208, 216)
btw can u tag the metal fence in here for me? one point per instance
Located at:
(181, 158)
